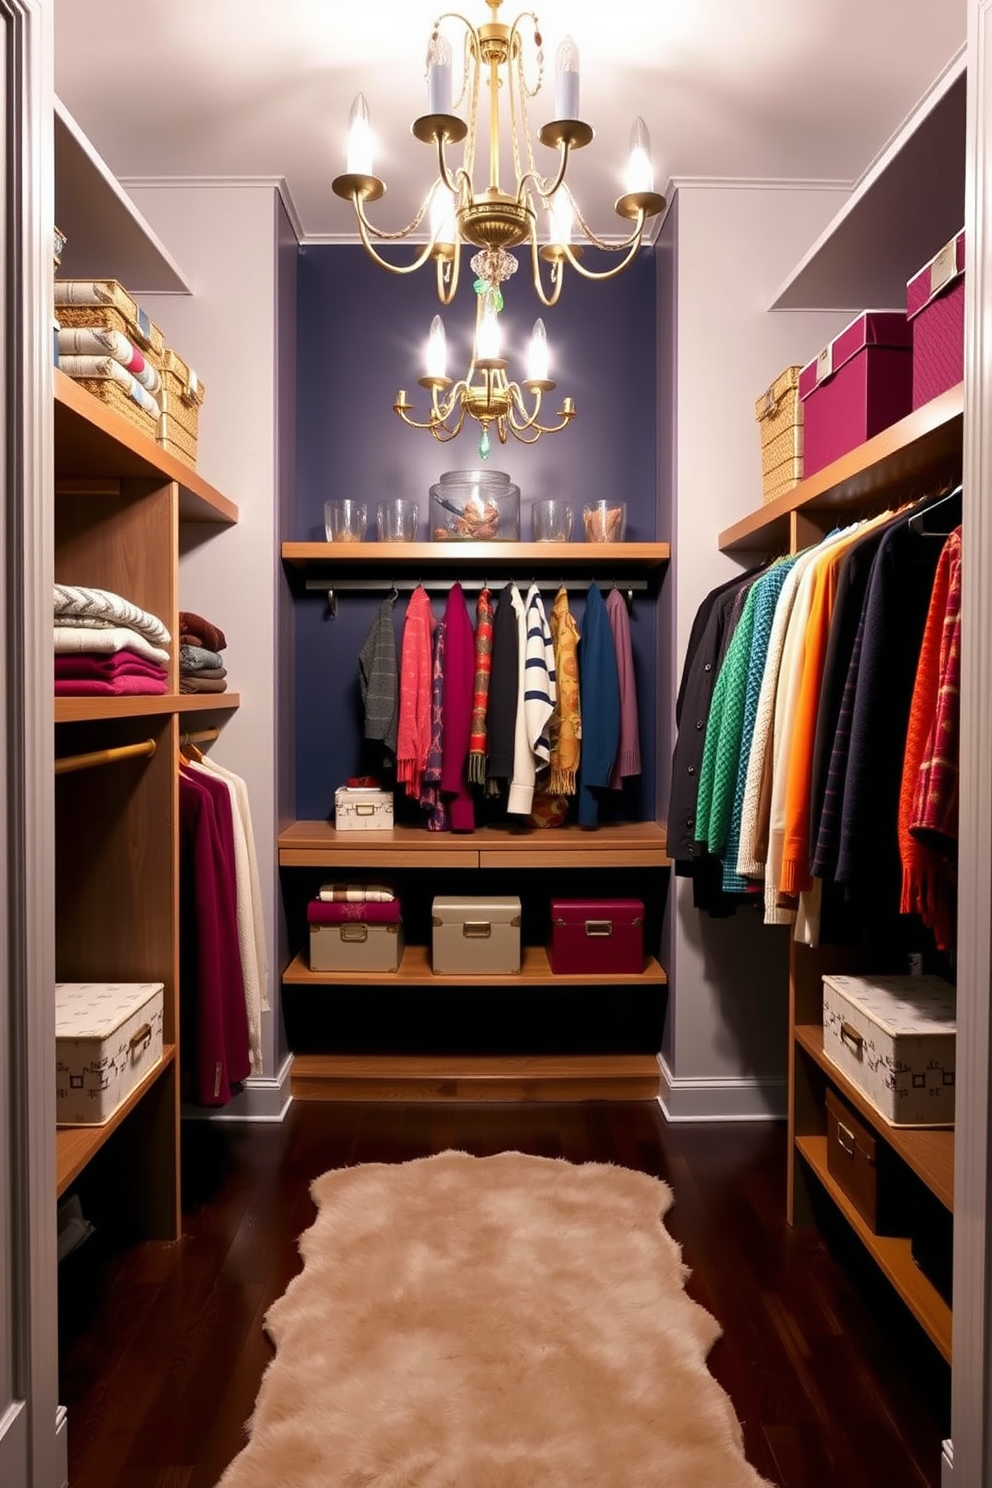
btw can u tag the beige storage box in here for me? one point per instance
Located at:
(780, 422)
(894, 1038)
(108, 1035)
(180, 399)
(476, 937)
(362, 809)
(356, 946)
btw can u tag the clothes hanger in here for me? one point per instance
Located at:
(918, 519)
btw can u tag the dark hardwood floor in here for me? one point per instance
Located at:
(162, 1346)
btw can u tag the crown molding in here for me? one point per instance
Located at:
(219, 183)
(760, 183)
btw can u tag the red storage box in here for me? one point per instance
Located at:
(597, 935)
(935, 308)
(858, 385)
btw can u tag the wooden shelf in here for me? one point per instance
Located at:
(92, 440)
(923, 447)
(86, 709)
(571, 1077)
(75, 1146)
(415, 971)
(316, 844)
(892, 1254)
(403, 557)
(928, 1151)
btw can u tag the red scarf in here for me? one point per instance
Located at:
(478, 737)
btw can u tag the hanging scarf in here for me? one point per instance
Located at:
(378, 681)
(628, 760)
(430, 787)
(480, 701)
(566, 722)
(414, 729)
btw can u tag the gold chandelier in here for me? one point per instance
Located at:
(486, 393)
(493, 219)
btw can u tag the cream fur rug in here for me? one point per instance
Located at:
(497, 1322)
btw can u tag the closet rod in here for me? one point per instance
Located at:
(70, 762)
(369, 585)
(202, 736)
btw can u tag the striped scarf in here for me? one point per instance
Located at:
(566, 722)
(480, 700)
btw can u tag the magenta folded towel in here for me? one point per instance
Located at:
(319, 912)
(122, 686)
(106, 666)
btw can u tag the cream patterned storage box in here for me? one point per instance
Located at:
(108, 1035)
(362, 809)
(894, 1037)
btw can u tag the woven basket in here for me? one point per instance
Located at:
(117, 398)
(182, 391)
(106, 304)
(176, 439)
(780, 422)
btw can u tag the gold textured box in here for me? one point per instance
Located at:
(106, 304)
(779, 413)
(475, 936)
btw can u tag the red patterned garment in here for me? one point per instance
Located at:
(478, 736)
(414, 727)
(928, 803)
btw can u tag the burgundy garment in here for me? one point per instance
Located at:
(459, 696)
(320, 912)
(105, 665)
(215, 1046)
(628, 760)
(195, 631)
(122, 686)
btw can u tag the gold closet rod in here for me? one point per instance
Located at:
(203, 736)
(70, 762)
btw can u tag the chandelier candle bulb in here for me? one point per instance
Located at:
(537, 355)
(443, 229)
(437, 350)
(567, 80)
(360, 139)
(439, 75)
(640, 172)
(487, 346)
(561, 218)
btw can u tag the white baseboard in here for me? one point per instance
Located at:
(14, 1446)
(722, 1098)
(259, 1099)
(947, 1464)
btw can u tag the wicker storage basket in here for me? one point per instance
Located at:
(106, 304)
(120, 400)
(176, 439)
(780, 422)
(182, 391)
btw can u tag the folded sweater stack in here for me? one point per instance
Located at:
(105, 645)
(201, 666)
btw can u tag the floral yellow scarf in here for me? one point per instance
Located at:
(566, 721)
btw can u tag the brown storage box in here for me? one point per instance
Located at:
(780, 423)
(476, 937)
(863, 1166)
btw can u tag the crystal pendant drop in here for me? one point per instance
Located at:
(484, 445)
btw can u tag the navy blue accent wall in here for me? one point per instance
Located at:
(361, 337)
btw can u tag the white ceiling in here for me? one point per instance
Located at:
(772, 89)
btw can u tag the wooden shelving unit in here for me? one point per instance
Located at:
(571, 1077)
(75, 1146)
(404, 557)
(891, 1253)
(927, 1151)
(119, 502)
(316, 844)
(924, 447)
(415, 971)
(914, 455)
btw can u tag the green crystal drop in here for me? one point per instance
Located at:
(484, 445)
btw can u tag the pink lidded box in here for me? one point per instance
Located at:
(858, 385)
(935, 308)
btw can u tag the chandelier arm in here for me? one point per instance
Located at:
(632, 246)
(446, 292)
(545, 191)
(380, 233)
(633, 240)
(557, 277)
(447, 179)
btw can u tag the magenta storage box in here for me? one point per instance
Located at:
(935, 309)
(859, 384)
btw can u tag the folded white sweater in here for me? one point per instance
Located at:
(104, 604)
